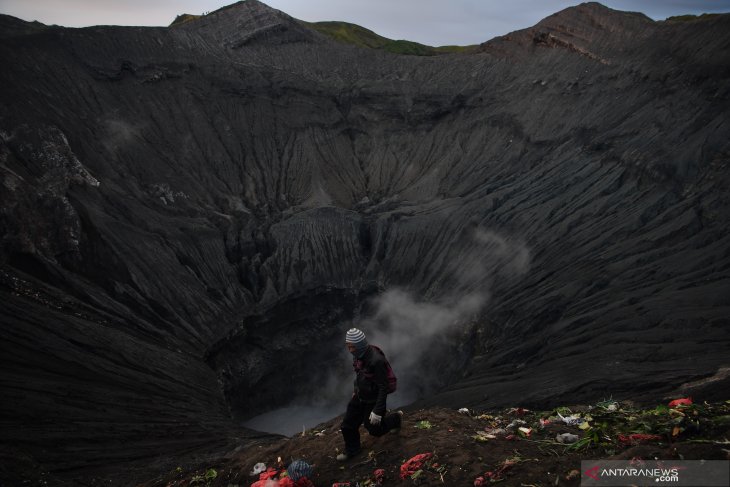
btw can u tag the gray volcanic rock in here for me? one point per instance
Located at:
(191, 215)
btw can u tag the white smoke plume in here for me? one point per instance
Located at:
(408, 327)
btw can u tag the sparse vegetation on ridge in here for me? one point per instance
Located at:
(359, 36)
(183, 19)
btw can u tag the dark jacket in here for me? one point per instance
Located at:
(371, 381)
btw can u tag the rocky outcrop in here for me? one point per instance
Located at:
(191, 215)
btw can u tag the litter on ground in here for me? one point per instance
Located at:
(414, 464)
(685, 401)
(566, 438)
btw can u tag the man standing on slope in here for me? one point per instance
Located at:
(368, 401)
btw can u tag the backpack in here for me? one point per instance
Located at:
(392, 379)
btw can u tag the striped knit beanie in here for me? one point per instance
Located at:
(357, 338)
(298, 469)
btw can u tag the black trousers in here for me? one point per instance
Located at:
(358, 412)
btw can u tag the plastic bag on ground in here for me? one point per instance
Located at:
(379, 475)
(414, 464)
(566, 438)
(685, 401)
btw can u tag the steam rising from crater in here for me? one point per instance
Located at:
(410, 329)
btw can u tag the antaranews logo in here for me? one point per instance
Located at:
(593, 472)
(667, 478)
(658, 474)
(675, 473)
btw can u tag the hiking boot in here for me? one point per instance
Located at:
(342, 457)
(395, 431)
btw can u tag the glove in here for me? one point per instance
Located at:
(374, 418)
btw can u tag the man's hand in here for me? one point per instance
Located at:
(374, 418)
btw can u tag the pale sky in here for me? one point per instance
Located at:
(432, 22)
